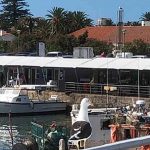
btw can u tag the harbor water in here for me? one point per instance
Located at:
(21, 127)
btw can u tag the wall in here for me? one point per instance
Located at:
(97, 100)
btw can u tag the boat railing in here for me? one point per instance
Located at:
(133, 143)
(111, 89)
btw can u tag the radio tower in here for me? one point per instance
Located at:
(120, 29)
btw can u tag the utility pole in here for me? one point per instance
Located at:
(119, 29)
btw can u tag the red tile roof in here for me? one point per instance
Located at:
(109, 33)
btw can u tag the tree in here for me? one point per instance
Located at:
(146, 16)
(66, 21)
(56, 18)
(63, 43)
(138, 47)
(80, 20)
(99, 46)
(83, 38)
(12, 11)
(132, 23)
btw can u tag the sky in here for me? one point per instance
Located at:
(95, 9)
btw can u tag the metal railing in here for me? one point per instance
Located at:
(117, 90)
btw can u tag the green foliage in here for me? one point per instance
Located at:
(132, 23)
(12, 11)
(83, 38)
(60, 42)
(54, 30)
(65, 43)
(138, 47)
(145, 16)
(62, 21)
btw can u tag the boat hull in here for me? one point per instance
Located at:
(32, 108)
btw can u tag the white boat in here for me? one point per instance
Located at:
(15, 100)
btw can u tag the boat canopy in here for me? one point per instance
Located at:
(60, 62)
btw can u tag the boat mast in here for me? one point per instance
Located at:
(138, 79)
(107, 84)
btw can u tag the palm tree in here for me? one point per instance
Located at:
(80, 20)
(42, 30)
(146, 16)
(26, 24)
(69, 22)
(56, 18)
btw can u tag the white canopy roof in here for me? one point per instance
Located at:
(67, 62)
(25, 61)
(118, 63)
(59, 62)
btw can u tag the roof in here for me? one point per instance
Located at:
(109, 33)
(93, 63)
(59, 62)
(5, 36)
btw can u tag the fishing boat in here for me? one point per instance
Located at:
(21, 100)
(99, 119)
(113, 126)
(130, 129)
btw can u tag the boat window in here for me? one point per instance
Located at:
(18, 100)
(15, 92)
(2, 91)
(105, 124)
(8, 92)
(23, 92)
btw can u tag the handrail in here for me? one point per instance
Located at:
(96, 88)
(124, 144)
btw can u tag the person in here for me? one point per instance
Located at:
(11, 81)
(51, 130)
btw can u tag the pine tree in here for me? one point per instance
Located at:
(12, 11)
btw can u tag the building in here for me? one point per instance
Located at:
(109, 33)
(127, 76)
(4, 36)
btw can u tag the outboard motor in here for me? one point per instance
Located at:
(140, 104)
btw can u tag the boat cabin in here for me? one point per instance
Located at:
(14, 95)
